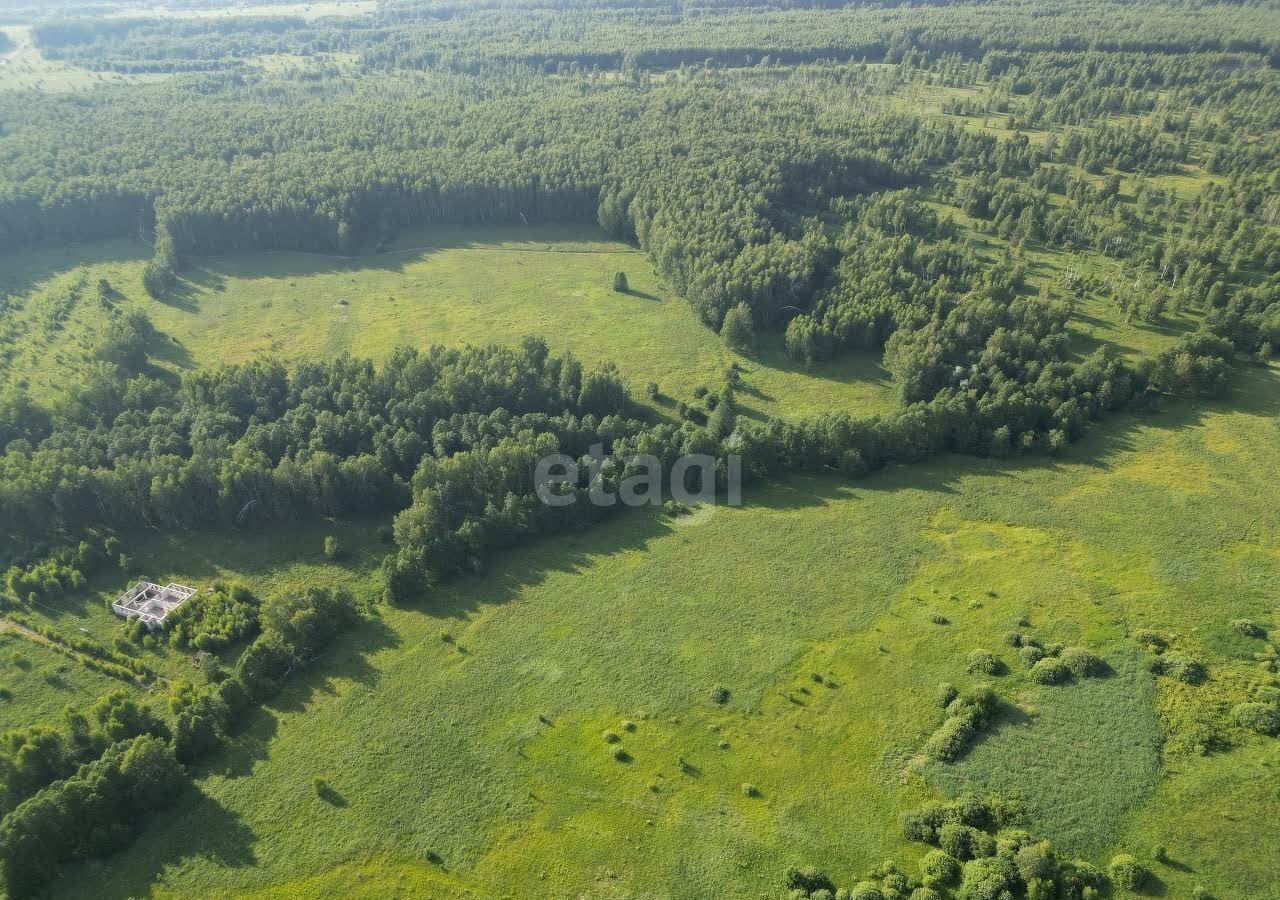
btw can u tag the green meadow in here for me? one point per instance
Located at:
(450, 286)
(676, 704)
(37, 682)
(464, 738)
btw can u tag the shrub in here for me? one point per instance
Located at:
(940, 867)
(674, 509)
(894, 882)
(720, 695)
(939, 619)
(984, 662)
(620, 755)
(916, 826)
(750, 790)
(950, 740)
(1260, 717)
(628, 726)
(651, 390)
(1035, 861)
(738, 330)
(1127, 872)
(1050, 670)
(807, 880)
(1031, 655)
(610, 737)
(989, 878)
(977, 703)
(332, 549)
(946, 693)
(1082, 663)
(1013, 638)
(1248, 628)
(1150, 640)
(965, 841)
(620, 284)
(1181, 667)
(866, 890)
(1011, 840)
(925, 893)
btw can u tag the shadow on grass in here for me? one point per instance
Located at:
(22, 270)
(345, 660)
(171, 350)
(412, 246)
(171, 836)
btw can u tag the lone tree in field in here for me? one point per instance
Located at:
(738, 330)
(620, 282)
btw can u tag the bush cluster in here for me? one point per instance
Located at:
(214, 619)
(978, 855)
(966, 714)
(1179, 666)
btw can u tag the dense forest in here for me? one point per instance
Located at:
(754, 151)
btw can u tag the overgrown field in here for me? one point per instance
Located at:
(875, 252)
(464, 740)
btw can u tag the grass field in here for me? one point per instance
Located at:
(450, 286)
(315, 10)
(24, 67)
(477, 767)
(40, 682)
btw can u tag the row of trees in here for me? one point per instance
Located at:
(88, 788)
(616, 35)
(255, 443)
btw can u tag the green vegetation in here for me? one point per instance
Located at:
(1083, 549)
(548, 280)
(981, 299)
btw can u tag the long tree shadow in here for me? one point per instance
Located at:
(531, 564)
(346, 659)
(24, 270)
(196, 827)
(412, 246)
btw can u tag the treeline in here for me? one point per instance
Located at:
(32, 759)
(256, 443)
(95, 812)
(661, 35)
(731, 194)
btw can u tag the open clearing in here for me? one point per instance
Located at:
(450, 286)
